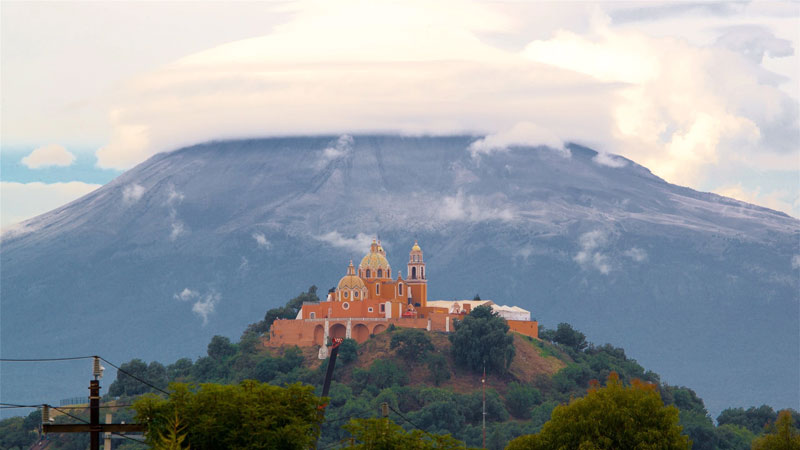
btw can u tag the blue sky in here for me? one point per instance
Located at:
(703, 94)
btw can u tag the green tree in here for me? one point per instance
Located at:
(520, 398)
(220, 348)
(14, 434)
(381, 374)
(412, 344)
(173, 439)
(383, 434)
(784, 436)
(570, 337)
(180, 370)
(483, 337)
(612, 417)
(438, 367)
(250, 415)
(733, 437)
(127, 385)
(754, 419)
(348, 351)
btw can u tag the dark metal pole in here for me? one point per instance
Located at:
(94, 415)
(326, 386)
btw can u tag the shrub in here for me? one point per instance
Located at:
(411, 343)
(520, 398)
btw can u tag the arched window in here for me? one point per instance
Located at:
(413, 273)
(368, 273)
(312, 315)
(355, 293)
(345, 294)
(380, 273)
(378, 289)
(388, 273)
(422, 272)
(400, 289)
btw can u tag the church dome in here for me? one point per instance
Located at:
(351, 282)
(374, 261)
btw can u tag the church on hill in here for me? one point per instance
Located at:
(368, 299)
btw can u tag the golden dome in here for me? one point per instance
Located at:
(374, 261)
(351, 282)
(416, 248)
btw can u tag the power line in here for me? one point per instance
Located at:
(12, 405)
(44, 359)
(134, 376)
(70, 358)
(404, 418)
(84, 421)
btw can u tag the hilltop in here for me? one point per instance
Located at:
(426, 387)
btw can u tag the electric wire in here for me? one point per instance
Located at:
(70, 358)
(86, 422)
(134, 376)
(404, 418)
(12, 405)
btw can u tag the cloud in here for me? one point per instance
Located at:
(636, 254)
(185, 295)
(174, 198)
(779, 199)
(683, 89)
(204, 304)
(754, 42)
(261, 241)
(342, 147)
(675, 113)
(605, 159)
(521, 134)
(22, 201)
(132, 193)
(474, 208)
(359, 244)
(590, 254)
(49, 155)
(796, 262)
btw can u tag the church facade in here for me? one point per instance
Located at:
(368, 299)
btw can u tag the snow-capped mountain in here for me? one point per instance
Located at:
(700, 288)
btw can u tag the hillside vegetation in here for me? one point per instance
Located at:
(419, 375)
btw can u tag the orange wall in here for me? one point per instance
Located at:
(528, 328)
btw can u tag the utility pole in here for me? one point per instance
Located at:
(483, 382)
(107, 440)
(326, 385)
(94, 427)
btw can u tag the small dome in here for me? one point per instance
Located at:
(351, 282)
(416, 248)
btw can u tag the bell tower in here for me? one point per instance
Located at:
(417, 280)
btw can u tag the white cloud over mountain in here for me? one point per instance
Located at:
(49, 155)
(684, 89)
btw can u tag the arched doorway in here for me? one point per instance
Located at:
(319, 335)
(338, 330)
(379, 328)
(360, 332)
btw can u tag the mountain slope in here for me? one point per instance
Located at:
(202, 240)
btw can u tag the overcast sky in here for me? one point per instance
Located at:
(703, 94)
